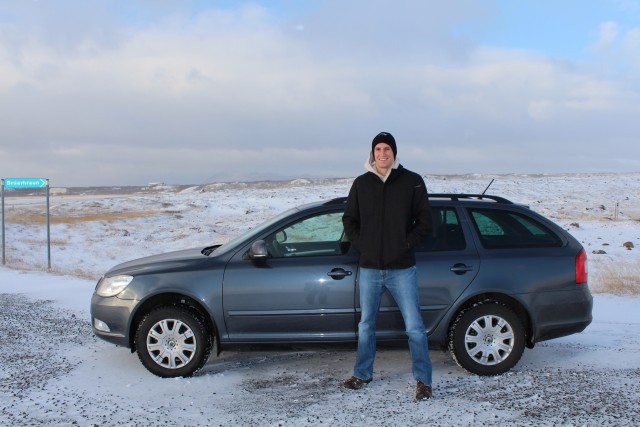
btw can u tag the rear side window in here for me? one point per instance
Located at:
(500, 229)
(447, 233)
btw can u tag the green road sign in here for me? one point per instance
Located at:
(25, 182)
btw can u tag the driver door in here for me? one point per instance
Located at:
(304, 290)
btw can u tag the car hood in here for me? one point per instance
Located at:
(176, 260)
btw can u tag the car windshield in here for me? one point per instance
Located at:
(232, 244)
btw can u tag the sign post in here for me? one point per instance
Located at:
(3, 260)
(27, 183)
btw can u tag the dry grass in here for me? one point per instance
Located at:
(617, 279)
(42, 241)
(40, 264)
(26, 218)
(77, 272)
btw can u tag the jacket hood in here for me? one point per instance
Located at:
(370, 166)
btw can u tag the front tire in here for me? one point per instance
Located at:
(487, 339)
(173, 342)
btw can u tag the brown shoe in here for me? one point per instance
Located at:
(423, 391)
(355, 383)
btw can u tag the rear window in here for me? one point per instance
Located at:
(447, 233)
(500, 229)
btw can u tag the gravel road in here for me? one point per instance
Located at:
(55, 372)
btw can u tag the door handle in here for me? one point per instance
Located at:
(461, 268)
(339, 273)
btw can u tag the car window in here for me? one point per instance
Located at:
(321, 234)
(505, 229)
(232, 244)
(447, 233)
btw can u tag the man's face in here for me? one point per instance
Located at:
(383, 154)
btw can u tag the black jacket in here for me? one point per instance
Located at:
(386, 220)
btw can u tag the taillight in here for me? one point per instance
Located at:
(581, 267)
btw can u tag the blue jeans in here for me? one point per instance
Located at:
(403, 286)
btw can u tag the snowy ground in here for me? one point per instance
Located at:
(54, 372)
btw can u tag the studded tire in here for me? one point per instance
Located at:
(173, 342)
(487, 339)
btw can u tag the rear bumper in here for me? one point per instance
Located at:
(558, 314)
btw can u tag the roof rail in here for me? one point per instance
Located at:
(451, 196)
(336, 201)
(457, 197)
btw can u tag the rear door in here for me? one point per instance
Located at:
(447, 262)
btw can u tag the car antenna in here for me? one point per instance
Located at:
(485, 190)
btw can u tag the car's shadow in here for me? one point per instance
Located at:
(246, 356)
(264, 355)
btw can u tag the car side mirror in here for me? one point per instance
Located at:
(258, 250)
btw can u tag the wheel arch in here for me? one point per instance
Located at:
(500, 298)
(171, 299)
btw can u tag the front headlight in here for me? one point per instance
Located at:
(110, 286)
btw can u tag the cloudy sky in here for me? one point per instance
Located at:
(107, 92)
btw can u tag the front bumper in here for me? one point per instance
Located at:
(110, 319)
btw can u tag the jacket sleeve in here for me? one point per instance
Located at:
(351, 217)
(422, 225)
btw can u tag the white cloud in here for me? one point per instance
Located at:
(631, 47)
(162, 101)
(618, 48)
(607, 34)
(540, 110)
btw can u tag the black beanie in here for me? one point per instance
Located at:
(388, 139)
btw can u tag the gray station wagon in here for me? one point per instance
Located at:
(494, 277)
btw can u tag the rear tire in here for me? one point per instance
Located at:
(487, 339)
(173, 342)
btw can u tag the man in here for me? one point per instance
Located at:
(386, 216)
